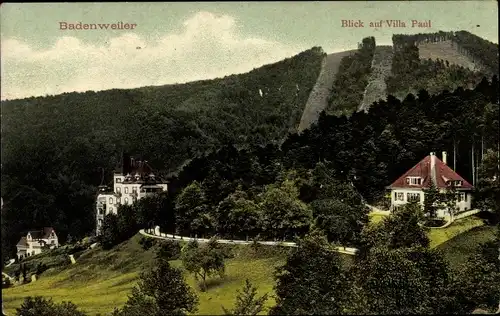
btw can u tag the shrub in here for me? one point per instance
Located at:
(169, 250)
(39, 306)
(5, 283)
(40, 268)
(147, 242)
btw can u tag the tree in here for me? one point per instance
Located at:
(160, 292)
(311, 281)
(189, 205)
(244, 218)
(25, 273)
(400, 229)
(110, 234)
(476, 285)
(40, 306)
(338, 208)
(401, 281)
(169, 250)
(449, 199)
(489, 183)
(204, 261)
(127, 222)
(431, 200)
(283, 214)
(246, 301)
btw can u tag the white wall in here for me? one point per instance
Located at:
(405, 192)
(126, 197)
(461, 206)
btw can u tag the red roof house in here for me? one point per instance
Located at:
(431, 168)
(411, 185)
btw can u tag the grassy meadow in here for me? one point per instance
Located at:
(457, 249)
(101, 280)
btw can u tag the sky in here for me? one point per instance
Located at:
(176, 42)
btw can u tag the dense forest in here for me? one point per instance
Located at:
(322, 177)
(351, 79)
(227, 134)
(55, 148)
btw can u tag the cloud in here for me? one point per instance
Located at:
(208, 46)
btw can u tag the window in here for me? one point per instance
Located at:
(134, 189)
(126, 190)
(118, 201)
(414, 180)
(455, 183)
(111, 210)
(411, 197)
(401, 196)
(110, 200)
(118, 190)
(461, 197)
(118, 180)
(52, 242)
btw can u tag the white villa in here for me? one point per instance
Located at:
(35, 241)
(134, 181)
(411, 185)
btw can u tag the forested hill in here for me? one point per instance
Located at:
(53, 148)
(411, 73)
(483, 53)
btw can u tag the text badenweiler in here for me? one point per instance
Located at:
(97, 26)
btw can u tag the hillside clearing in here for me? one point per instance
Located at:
(318, 98)
(102, 280)
(460, 226)
(445, 50)
(381, 69)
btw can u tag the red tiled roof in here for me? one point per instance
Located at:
(423, 170)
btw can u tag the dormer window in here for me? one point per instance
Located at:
(137, 177)
(414, 180)
(455, 183)
(118, 180)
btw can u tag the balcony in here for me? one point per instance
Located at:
(118, 194)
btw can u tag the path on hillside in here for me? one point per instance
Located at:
(446, 50)
(381, 69)
(318, 98)
(345, 250)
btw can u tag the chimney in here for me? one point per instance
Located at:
(433, 168)
(125, 163)
(444, 157)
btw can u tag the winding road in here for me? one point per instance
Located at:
(156, 234)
